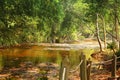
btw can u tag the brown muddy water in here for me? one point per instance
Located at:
(14, 57)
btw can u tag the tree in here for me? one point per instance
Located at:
(72, 24)
(98, 8)
(51, 13)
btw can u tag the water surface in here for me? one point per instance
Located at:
(14, 58)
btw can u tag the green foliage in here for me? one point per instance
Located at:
(29, 21)
(118, 54)
(72, 24)
(44, 78)
(112, 45)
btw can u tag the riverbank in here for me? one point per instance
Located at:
(87, 43)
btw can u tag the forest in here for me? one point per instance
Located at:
(40, 33)
(58, 21)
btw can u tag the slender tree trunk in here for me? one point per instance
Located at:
(97, 33)
(116, 30)
(116, 24)
(104, 31)
(52, 35)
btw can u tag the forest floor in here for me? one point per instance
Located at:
(42, 72)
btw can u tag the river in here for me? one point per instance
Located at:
(17, 57)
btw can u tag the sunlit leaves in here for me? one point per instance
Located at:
(44, 20)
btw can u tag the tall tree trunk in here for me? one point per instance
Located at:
(53, 34)
(97, 33)
(116, 24)
(104, 30)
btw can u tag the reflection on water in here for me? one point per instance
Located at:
(12, 57)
